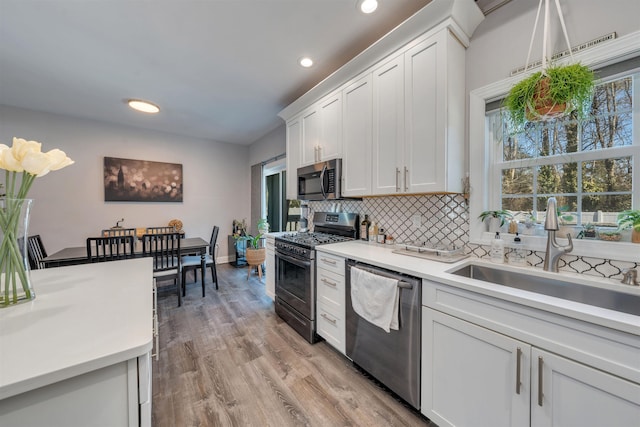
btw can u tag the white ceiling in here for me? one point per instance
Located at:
(219, 69)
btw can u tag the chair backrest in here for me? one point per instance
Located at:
(115, 232)
(36, 252)
(101, 249)
(160, 230)
(165, 250)
(212, 242)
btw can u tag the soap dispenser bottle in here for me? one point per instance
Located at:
(497, 249)
(518, 253)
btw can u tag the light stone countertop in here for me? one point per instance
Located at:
(382, 256)
(84, 318)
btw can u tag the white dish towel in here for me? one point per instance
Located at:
(375, 298)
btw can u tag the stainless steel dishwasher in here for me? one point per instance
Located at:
(392, 358)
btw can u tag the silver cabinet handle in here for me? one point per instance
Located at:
(328, 261)
(329, 282)
(328, 319)
(540, 394)
(518, 369)
(406, 180)
(397, 179)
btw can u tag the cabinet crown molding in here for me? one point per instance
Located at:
(460, 16)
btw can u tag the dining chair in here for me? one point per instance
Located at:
(160, 230)
(164, 248)
(101, 249)
(193, 262)
(36, 252)
(116, 232)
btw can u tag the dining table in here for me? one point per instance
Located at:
(78, 254)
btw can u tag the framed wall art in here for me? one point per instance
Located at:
(127, 180)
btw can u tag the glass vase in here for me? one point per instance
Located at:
(15, 272)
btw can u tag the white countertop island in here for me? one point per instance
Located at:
(86, 320)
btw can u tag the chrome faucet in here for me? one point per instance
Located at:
(630, 277)
(554, 250)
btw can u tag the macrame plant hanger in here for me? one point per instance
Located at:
(544, 109)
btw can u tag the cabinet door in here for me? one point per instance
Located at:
(472, 376)
(388, 127)
(577, 395)
(311, 131)
(294, 139)
(356, 149)
(425, 116)
(330, 145)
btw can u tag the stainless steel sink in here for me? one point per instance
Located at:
(604, 298)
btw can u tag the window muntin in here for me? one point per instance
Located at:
(587, 166)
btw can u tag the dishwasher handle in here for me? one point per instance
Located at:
(403, 284)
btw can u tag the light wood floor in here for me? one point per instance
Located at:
(228, 360)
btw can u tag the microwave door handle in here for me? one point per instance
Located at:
(322, 176)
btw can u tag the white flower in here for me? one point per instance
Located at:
(26, 156)
(58, 159)
(8, 161)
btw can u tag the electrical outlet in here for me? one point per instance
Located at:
(416, 221)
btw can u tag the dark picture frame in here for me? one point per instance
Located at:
(129, 180)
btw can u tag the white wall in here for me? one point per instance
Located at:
(501, 41)
(272, 144)
(69, 204)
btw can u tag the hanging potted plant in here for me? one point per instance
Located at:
(630, 219)
(552, 92)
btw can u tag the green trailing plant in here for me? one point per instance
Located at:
(629, 219)
(571, 85)
(502, 214)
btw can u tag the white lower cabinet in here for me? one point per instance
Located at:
(330, 300)
(469, 374)
(577, 395)
(474, 376)
(270, 265)
(115, 395)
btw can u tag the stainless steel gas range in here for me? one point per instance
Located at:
(296, 268)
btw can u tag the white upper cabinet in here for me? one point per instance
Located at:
(357, 127)
(434, 115)
(388, 127)
(395, 113)
(322, 130)
(294, 137)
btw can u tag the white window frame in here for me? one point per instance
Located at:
(482, 154)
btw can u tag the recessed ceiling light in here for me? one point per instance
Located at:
(367, 6)
(144, 106)
(305, 62)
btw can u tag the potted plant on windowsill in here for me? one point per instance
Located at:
(497, 219)
(630, 219)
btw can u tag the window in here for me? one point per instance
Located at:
(563, 159)
(589, 167)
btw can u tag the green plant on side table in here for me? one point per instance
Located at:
(630, 219)
(550, 93)
(500, 216)
(254, 254)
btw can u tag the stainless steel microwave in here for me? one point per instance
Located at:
(320, 181)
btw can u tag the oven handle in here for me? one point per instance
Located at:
(296, 261)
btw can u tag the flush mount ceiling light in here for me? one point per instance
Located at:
(305, 62)
(144, 106)
(367, 6)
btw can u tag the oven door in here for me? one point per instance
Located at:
(294, 283)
